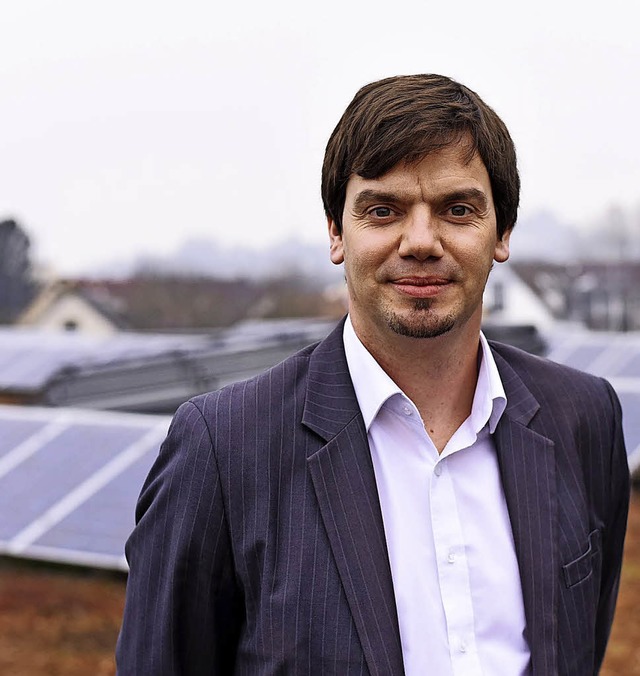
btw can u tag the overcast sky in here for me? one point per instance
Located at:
(130, 126)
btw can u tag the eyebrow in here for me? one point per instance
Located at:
(366, 197)
(468, 195)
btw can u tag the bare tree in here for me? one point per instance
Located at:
(17, 287)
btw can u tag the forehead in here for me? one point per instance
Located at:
(449, 169)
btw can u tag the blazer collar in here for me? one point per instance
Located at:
(521, 404)
(330, 402)
(345, 486)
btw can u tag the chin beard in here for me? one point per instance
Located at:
(420, 324)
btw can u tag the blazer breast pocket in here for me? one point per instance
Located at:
(582, 568)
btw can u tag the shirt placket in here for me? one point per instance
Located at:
(453, 573)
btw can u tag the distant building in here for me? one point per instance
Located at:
(66, 306)
(508, 300)
(183, 304)
(599, 295)
(512, 313)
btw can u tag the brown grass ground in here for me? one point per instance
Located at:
(64, 622)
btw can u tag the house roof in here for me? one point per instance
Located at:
(56, 291)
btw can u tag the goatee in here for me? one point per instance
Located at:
(420, 324)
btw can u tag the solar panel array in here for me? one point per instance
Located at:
(30, 357)
(160, 383)
(34, 362)
(69, 480)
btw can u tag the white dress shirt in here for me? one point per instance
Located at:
(453, 562)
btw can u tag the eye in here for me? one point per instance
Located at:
(459, 210)
(381, 212)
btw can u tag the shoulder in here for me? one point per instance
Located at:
(579, 412)
(560, 387)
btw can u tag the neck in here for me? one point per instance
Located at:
(438, 374)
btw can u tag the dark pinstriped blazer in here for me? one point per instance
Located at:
(259, 546)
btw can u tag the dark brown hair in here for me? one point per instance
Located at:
(405, 118)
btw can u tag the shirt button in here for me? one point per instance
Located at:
(437, 470)
(407, 410)
(462, 647)
(452, 557)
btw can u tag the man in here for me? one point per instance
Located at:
(402, 497)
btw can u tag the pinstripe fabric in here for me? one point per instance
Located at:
(259, 546)
(566, 482)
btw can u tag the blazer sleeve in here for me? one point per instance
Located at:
(614, 532)
(183, 608)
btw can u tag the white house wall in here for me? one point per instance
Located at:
(72, 309)
(520, 304)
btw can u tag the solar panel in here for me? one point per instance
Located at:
(583, 356)
(103, 524)
(629, 394)
(69, 485)
(632, 367)
(14, 433)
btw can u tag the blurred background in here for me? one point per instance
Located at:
(162, 234)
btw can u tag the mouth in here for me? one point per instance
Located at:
(421, 287)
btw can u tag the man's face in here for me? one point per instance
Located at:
(418, 244)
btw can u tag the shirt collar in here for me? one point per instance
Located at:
(374, 387)
(372, 384)
(490, 397)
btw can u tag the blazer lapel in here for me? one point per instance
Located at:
(344, 482)
(528, 469)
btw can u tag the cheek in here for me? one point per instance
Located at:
(473, 255)
(364, 260)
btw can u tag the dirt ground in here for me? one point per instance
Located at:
(64, 622)
(623, 653)
(58, 621)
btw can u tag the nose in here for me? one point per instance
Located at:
(420, 238)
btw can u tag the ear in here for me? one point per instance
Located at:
(336, 249)
(501, 253)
